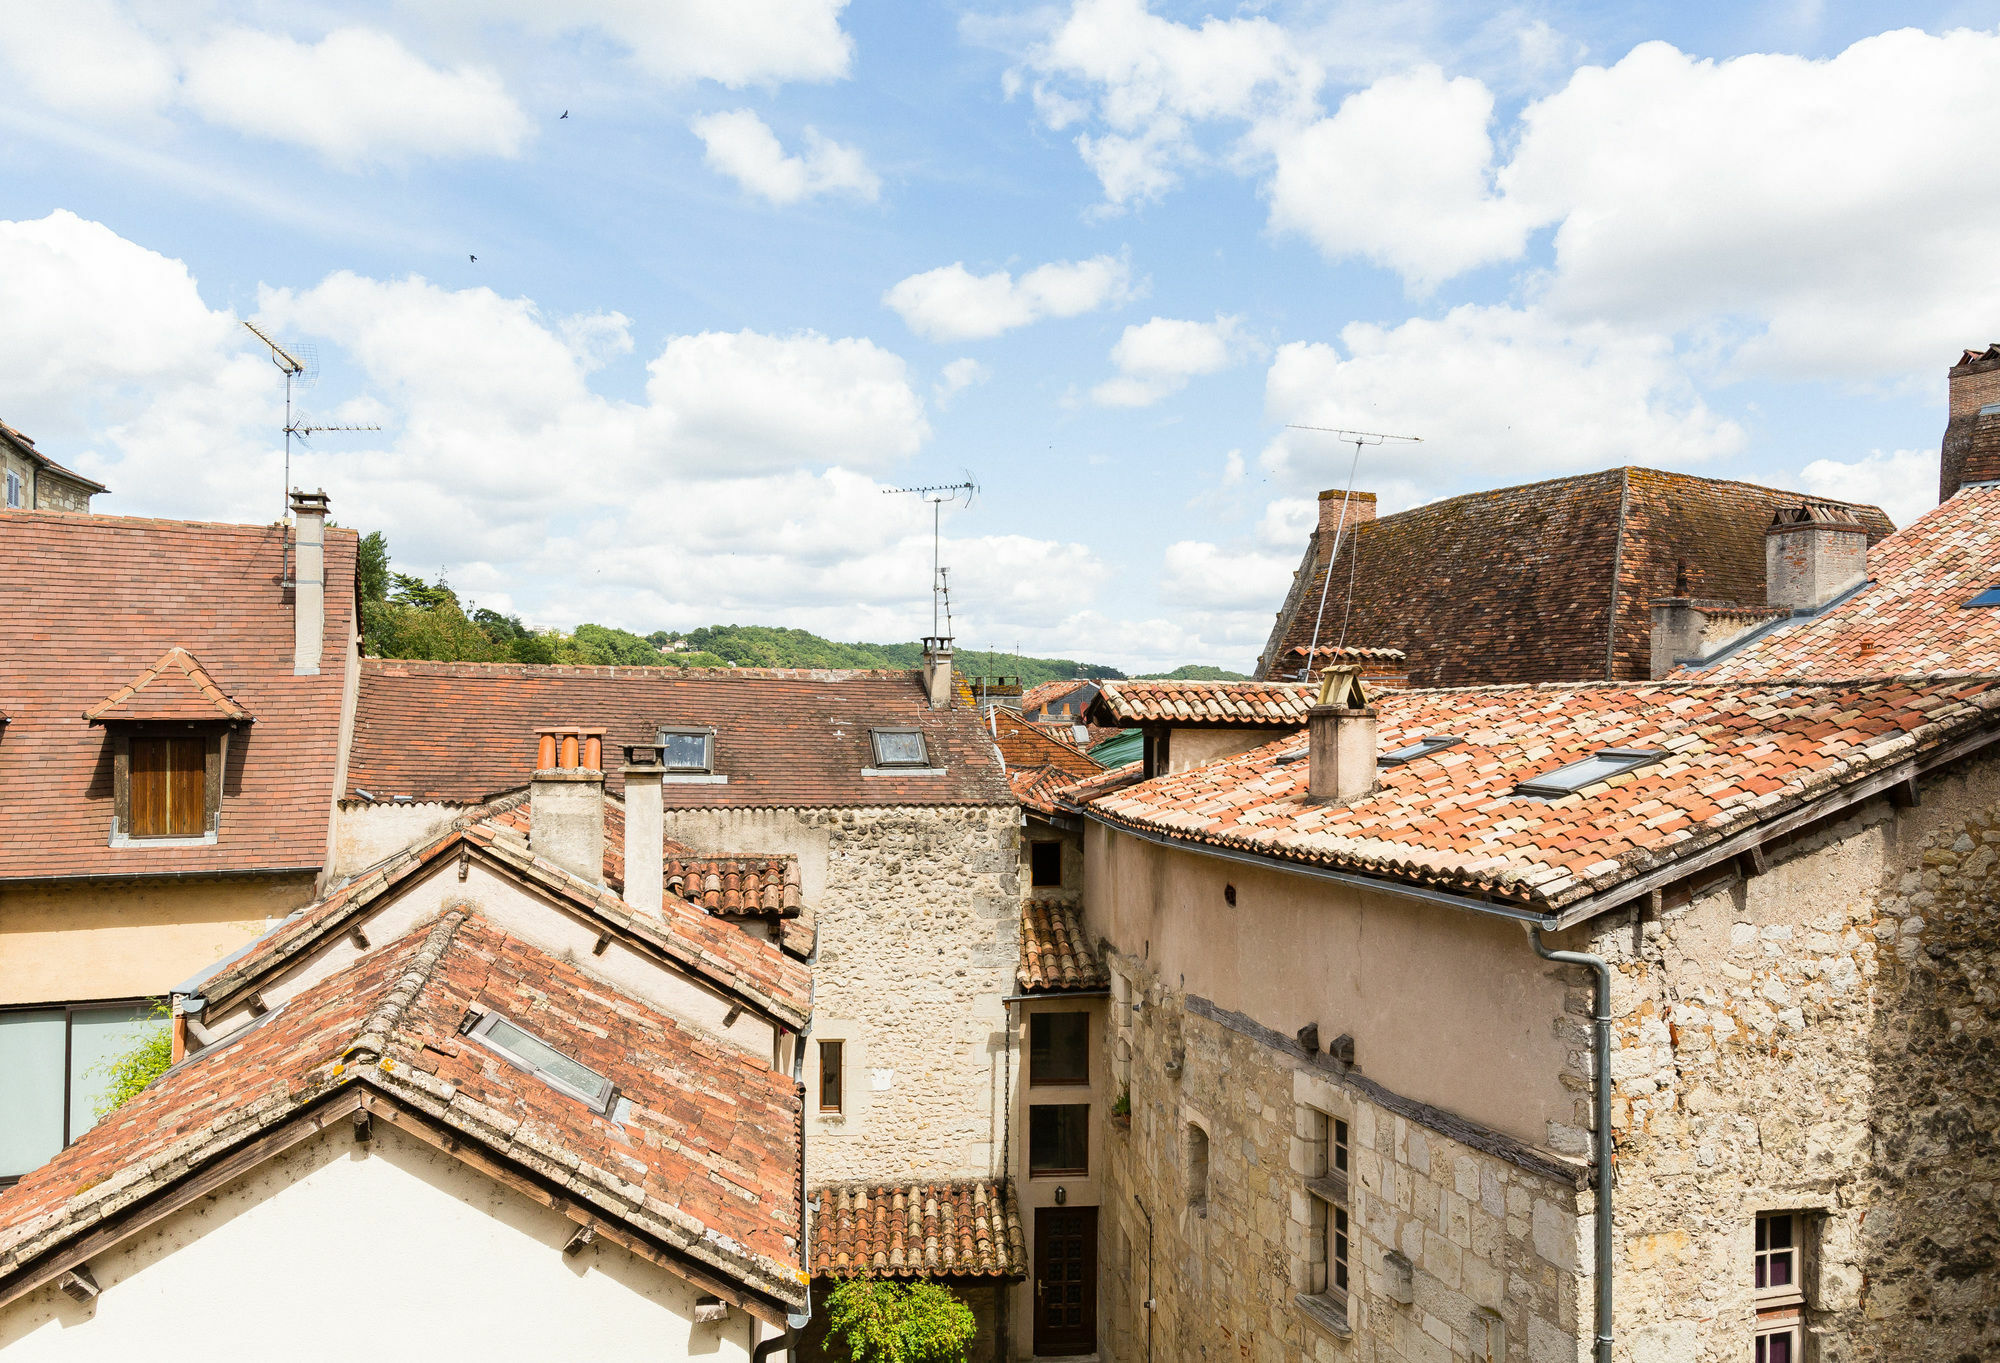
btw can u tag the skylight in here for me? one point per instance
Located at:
(544, 1061)
(900, 748)
(1423, 747)
(687, 749)
(1601, 766)
(1989, 597)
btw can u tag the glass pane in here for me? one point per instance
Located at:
(1577, 775)
(1059, 1048)
(1781, 1270)
(684, 752)
(1059, 1138)
(899, 749)
(1045, 863)
(829, 1076)
(98, 1037)
(31, 1078)
(547, 1060)
(1780, 1231)
(1763, 1272)
(1781, 1348)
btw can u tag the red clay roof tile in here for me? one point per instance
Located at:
(964, 1229)
(176, 687)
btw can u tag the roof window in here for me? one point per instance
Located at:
(1601, 766)
(1989, 597)
(529, 1052)
(687, 749)
(900, 748)
(1423, 747)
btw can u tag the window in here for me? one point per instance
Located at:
(1045, 863)
(687, 749)
(1059, 1139)
(1197, 1170)
(900, 748)
(1423, 747)
(169, 782)
(544, 1061)
(50, 1063)
(1601, 766)
(1780, 1279)
(1326, 1190)
(1989, 597)
(830, 1075)
(1058, 1048)
(13, 488)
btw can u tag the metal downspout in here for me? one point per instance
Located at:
(1600, 1086)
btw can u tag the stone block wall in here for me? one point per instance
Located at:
(1460, 1252)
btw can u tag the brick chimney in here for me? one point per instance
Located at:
(566, 800)
(309, 582)
(1812, 553)
(937, 671)
(1360, 507)
(1340, 738)
(645, 859)
(1971, 451)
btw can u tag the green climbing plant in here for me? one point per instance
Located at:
(131, 1070)
(889, 1322)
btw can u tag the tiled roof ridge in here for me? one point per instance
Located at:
(430, 668)
(385, 1021)
(1688, 684)
(191, 668)
(1056, 954)
(103, 520)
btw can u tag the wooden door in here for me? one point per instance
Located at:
(168, 778)
(1065, 1280)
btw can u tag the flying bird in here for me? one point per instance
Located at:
(473, 259)
(565, 114)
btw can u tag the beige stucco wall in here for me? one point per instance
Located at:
(1451, 1008)
(364, 833)
(391, 1249)
(919, 931)
(1193, 747)
(112, 939)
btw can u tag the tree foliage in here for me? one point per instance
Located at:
(131, 1070)
(1194, 672)
(890, 1322)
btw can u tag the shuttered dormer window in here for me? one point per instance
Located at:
(168, 777)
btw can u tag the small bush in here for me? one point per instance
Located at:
(138, 1067)
(886, 1322)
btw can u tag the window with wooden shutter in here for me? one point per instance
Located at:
(169, 787)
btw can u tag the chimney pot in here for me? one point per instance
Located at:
(937, 671)
(308, 582)
(1340, 738)
(1360, 508)
(1813, 552)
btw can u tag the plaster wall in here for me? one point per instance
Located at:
(62, 942)
(336, 1248)
(1196, 747)
(364, 833)
(919, 932)
(1451, 1008)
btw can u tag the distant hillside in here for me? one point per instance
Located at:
(1193, 672)
(769, 646)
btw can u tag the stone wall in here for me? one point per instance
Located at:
(919, 931)
(1818, 1038)
(1492, 1233)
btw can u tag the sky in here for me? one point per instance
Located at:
(657, 362)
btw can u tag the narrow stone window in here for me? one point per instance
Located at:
(1780, 1280)
(1197, 1170)
(830, 1065)
(1327, 1203)
(1045, 864)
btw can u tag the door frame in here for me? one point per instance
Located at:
(1085, 1221)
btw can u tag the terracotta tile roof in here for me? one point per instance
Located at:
(1518, 584)
(785, 738)
(1735, 755)
(706, 1162)
(1911, 617)
(86, 603)
(1077, 794)
(1056, 954)
(1038, 787)
(1043, 694)
(176, 687)
(966, 1229)
(1026, 746)
(735, 885)
(1251, 704)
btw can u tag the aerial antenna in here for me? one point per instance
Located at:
(300, 366)
(1357, 439)
(938, 494)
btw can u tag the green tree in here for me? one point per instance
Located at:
(1194, 672)
(371, 566)
(889, 1322)
(131, 1070)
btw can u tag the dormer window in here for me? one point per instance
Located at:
(688, 750)
(524, 1049)
(1423, 747)
(1601, 766)
(1989, 597)
(900, 748)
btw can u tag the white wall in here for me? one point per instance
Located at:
(337, 1250)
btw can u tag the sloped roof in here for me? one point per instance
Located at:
(1205, 704)
(1049, 692)
(1056, 955)
(1734, 755)
(175, 687)
(27, 447)
(1549, 581)
(1026, 745)
(965, 1229)
(89, 602)
(785, 738)
(1910, 617)
(706, 1164)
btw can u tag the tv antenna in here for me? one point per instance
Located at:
(1357, 439)
(938, 494)
(302, 370)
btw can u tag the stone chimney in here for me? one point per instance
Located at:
(937, 671)
(645, 860)
(1971, 451)
(1812, 553)
(1340, 738)
(566, 800)
(1360, 507)
(308, 582)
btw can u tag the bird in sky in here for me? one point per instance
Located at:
(473, 259)
(565, 114)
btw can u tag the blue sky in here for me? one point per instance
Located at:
(786, 253)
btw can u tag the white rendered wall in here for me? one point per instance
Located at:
(338, 1250)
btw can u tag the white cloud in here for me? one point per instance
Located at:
(86, 56)
(957, 376)
(355, 96)
(953, 304)
(1497, 394)
(1208, 576)
(743, 147)
(1901, 482)
(732, 42)
(1158, 357)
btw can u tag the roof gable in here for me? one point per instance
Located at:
(175, 687)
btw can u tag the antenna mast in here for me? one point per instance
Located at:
(1357, 439)
(937, 494)
(303, 371)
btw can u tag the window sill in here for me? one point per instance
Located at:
(692, 778)
(1324, 1314)
(903, 771)
(122, 841)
